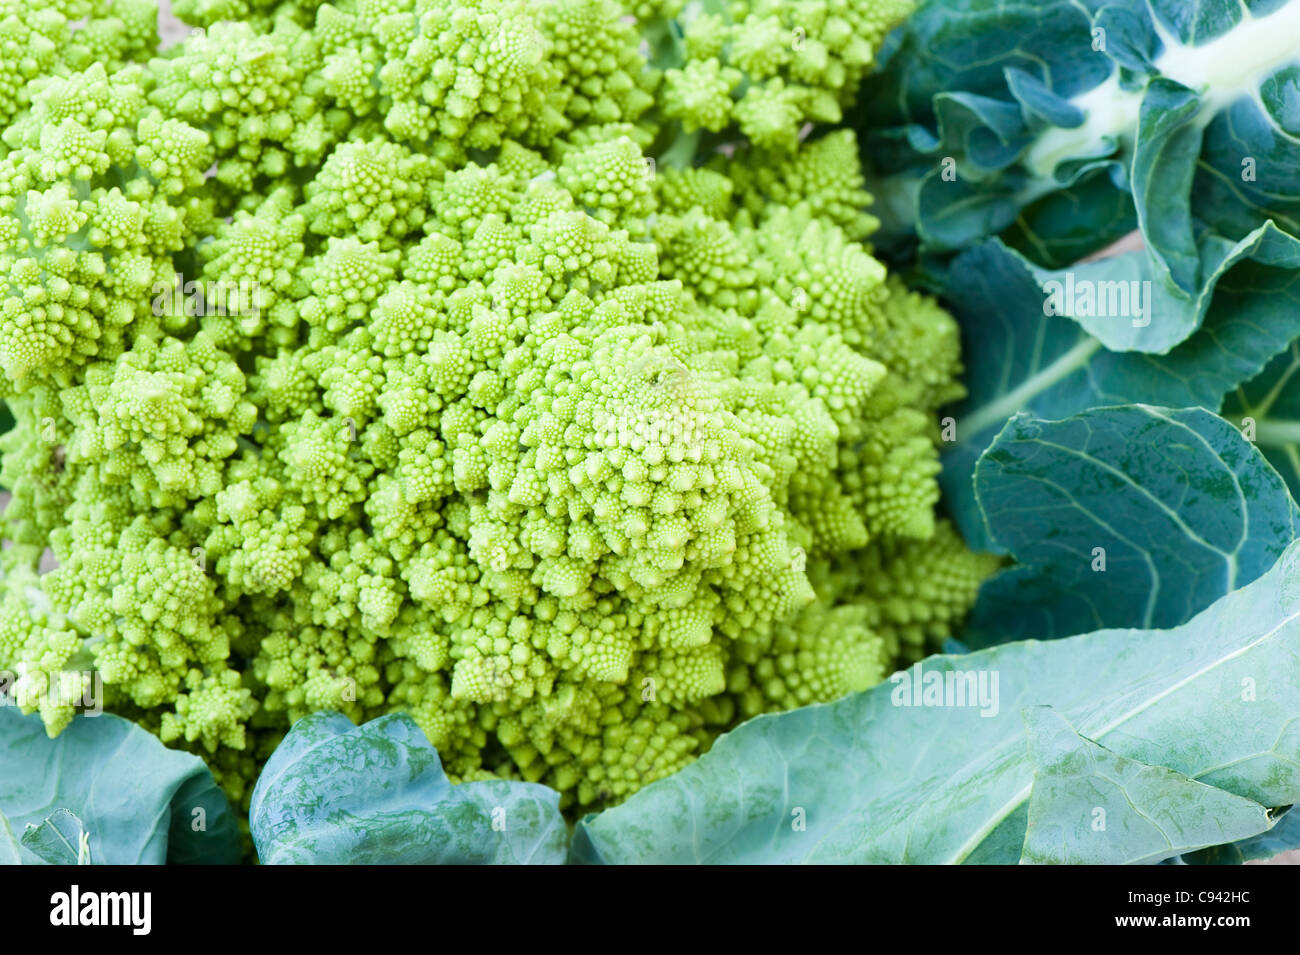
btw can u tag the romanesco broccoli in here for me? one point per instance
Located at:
(579, 459)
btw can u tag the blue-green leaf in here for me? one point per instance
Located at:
(9, 851)
(1020, 360)
(1089, 806)
(876, 778)
(1267, 409)
(1164, 164)
(60, 839)
(338, 794)
(142, 802)
(1130, 516)
(1130, 302)
(1189, 129)
(1282, 837)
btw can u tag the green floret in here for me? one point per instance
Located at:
(41, 42)
(765, 67)
(699, 95)
(90, 204)
(434, 356)
(373, 190)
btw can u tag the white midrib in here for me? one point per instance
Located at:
(1017, 398)
(1225, 69)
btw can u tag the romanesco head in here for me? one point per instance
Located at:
(426, 355)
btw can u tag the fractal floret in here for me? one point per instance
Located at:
(425, 356)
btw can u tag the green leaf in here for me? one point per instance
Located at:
(1058, 124)
(145, 803)
(1130, 302)
(1020, 360)
(1131, 516)
(1089, 806)
(1282, 837)
(876, 778)
(1168, 142)
(9, 851)
(1267, 408)
(1068, 226)
(334, 793)
(60, 839)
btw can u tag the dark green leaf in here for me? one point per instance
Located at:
(1131, 516)
(1020, 360)
(973, 129)
(1267, 409)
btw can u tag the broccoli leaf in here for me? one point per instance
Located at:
(1123, 517)
(1089, 806)
(877, 778)
(60, 839)
(144, 803)
(1129, 306)
(10, 854)
(1267, 409)
(1076, 121)
(1020, 360)
(1283, 836)
(334, 793)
